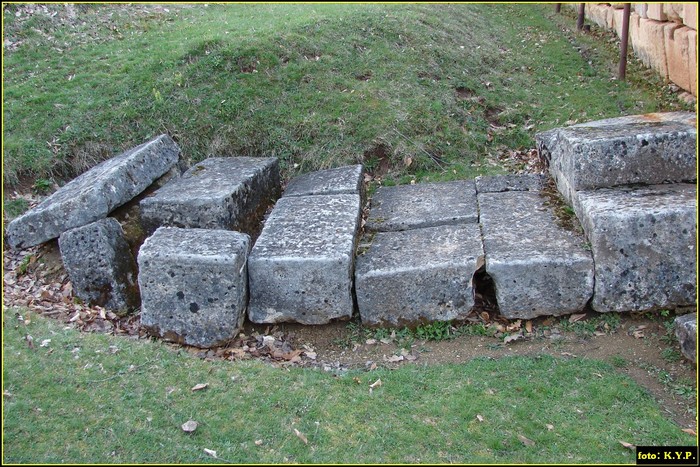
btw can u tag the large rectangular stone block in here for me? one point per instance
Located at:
(301, 267)
(648, 44)
(95, 193)
(406, 207)
(100, 265)
(655, 11)
(640, 149)
(678, 55)
(419, 276)
(227, 193)
(194, 285)
(643, 242)
(537, 266)
(328, 182)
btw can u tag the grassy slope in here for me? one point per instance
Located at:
(88, 398)
(315, 85)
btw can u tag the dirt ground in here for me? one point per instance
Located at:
(639, 346)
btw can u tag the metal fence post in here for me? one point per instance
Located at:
(622, 72)
(581, 15)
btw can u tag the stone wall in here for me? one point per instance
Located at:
(662, 35)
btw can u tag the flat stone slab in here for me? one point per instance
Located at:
(641, 149)
(226, 193)
(538, 268)
(301, 267)
(406, 207)
(193, 285)
(686, 332)
(328, 182)
(419, 276)
(643, 242)
(510, 182)
(95, 193)
(100, 265)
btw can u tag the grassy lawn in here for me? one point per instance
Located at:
(432, 91)
(83, 398)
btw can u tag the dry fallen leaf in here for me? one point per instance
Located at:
(512, 338)
(528, 327)
(371, 341)
(638, 334)
(628, 445)
(690, 431)
(574, 318)
(526, 441)
(258, 442)
(549, 427)
(479, 417)
(485, 316)
(30, 341)
(189, 426)
(301, 436)
(394, 358)
(210, 452)
(199, 387)
(514, 326)
(376, 384)
(45, 343)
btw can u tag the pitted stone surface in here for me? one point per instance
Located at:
(328, 182)
(227, 193)
(641, 149)
(406, 207)
(501, 183)
(418, 276)
(301, 267)
(643, 242)
(100, 265)
(194, 285)
(538, 268)
(686, 333)
(94, 194)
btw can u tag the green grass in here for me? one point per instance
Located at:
(91, 398)
(434, 91)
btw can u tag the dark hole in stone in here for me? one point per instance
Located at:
(194, 308)
(484, 293)
(180, 295)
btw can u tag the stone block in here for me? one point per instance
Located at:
(224, 193)
(95, 193)
(301, 267)
(640, 149)
(328, 182)
(194, 287)
(655, 11)
(690, 15)
(418, 276)
(686, 332)
(677, 47)
(100, 265)
(640, 9)
(648, 45)
(598, 14)
(693, 60)
(643, 243)
(510, 182)
(406, 207)
(673, 12)
(538, 267)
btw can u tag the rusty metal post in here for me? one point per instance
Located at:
(622, 71)
(557, 8)
(581, 15)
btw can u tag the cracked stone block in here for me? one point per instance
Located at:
(538, 267)
(194, 285)
(686, 332)
(643, 241)
(641, 149)
(100, 265)
(224, 193)
(301, 267)
(406, 207)
(328, 182)
(413, 277)
(94, 194)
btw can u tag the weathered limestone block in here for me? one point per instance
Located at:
(686, 333)
(100, 265)
(643, 243)
(673, 12)
(95, 193)
(227, 193)
(640, 9)
(194, 285)
(677, 47)
(655, 11)
(406, 207)
(328, 182)
(693, 60)
(690, 15)
(598, 14)
(647, 149)
(418, 276)
(648, 44)
(538, 268)
(510, 182)
(301, 267)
